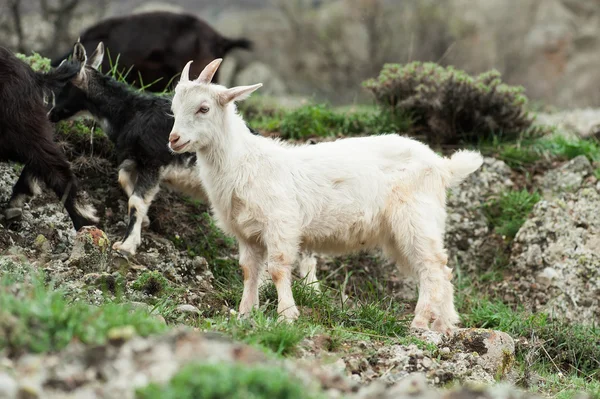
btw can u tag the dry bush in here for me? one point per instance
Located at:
(448, 106)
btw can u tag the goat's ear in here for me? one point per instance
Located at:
(97, 56)
(185, 74)
(209, 71)
(237, 93)
(79, 53)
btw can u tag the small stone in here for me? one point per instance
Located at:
(8, 386)
(427, 362)
(121, 334)
(546, 277)
(494, 350)
(90, 250)
(185, 308)
(13, 213)
(445, 350)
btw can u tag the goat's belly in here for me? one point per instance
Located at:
(344, 238)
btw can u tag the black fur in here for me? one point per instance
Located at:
(26, 135)
(157, 45)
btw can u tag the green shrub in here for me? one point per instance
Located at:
(448, 106)
(152, 283)
(232, 381)
(35, 61)
(508, 211)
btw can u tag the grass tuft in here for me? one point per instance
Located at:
(223, 380)
(508, 211)
(320, 120)
(152, 283)
(38, 318)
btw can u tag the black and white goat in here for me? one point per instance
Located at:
(26, 136)
(139, 125)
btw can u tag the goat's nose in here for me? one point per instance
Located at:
(173, 138)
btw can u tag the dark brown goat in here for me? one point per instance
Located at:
(26, 136)
(157, 45)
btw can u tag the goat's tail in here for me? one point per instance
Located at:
(461, 164)
(236, 43)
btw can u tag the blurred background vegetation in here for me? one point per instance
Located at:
(324, 49)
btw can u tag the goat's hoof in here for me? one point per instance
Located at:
(146, 222)
(419, 325)
(122, 250)
(442, 327)
(13, 213)
(289, 315)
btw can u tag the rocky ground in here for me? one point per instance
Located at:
(550, 266)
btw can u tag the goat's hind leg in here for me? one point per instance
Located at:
(146, 188)
(308, 270)
(423, 249)
(127, 179)
(24, 189)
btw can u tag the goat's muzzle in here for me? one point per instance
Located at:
(175, 142)
(173, 138)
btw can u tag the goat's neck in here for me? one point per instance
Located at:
(234, 141)
(112, 103)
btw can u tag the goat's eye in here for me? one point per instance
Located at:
(203, 109)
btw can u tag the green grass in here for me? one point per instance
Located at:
(223, 380)
(279, 337)
(508, 211)
(35, 317)
(320, 120)
(528, 150)
(152, 283)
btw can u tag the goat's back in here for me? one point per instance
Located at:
(156, 45)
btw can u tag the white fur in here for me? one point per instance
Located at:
(337, 197)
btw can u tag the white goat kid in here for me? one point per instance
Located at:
(278, 199)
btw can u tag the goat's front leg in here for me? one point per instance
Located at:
(252, 262)
(280, 261)
(146, 188)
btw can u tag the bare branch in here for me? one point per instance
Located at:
(15, 9)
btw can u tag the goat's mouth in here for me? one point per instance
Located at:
(179, 147)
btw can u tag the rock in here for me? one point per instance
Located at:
(555, 257)
(581, 122)
(120, 334)
(469, 239)
(569, 177)
(91, 250)
(8, 386)
(117, 368)
(188, 309)
(546, 277)
(496, 349)
(273, 85)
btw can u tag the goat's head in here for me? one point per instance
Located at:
(70, 99)
(201, 109)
